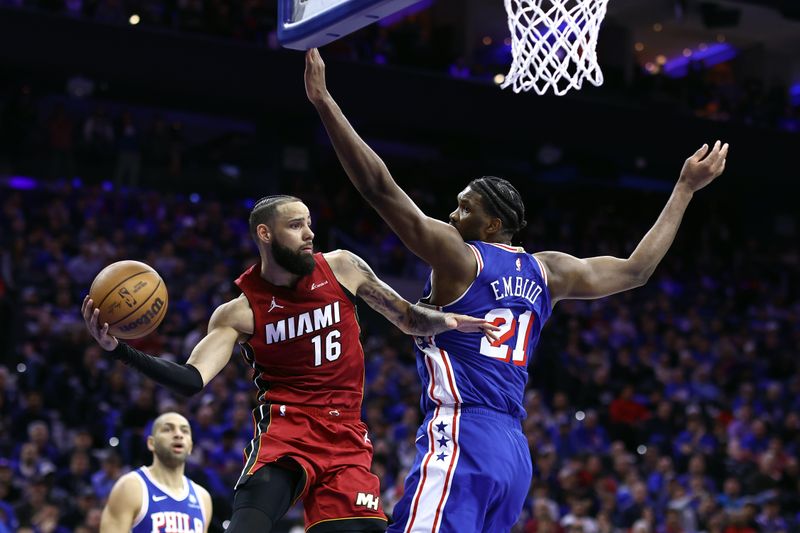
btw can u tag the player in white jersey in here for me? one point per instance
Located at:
(472, 469)
(159, 498)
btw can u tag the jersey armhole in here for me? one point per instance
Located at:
(253, 312)
(478, 259)
(541, 268)
(145, 501)
(333, 280)
(349, 295)
(199, 501)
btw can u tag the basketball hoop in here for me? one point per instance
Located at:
(553, 44)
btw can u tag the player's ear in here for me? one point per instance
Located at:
(151, 443)
(264, 233)
(494, 226)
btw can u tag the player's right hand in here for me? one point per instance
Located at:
(703, 166)
(91, 317)
(316, 89)
(470, 324)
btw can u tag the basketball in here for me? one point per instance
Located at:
(131, 297)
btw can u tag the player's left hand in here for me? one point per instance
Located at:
(316, 90)
(469, 324)
(703, 166)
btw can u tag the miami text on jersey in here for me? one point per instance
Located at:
(308, 322)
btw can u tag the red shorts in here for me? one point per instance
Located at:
(332, 448)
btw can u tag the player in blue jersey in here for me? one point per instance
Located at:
(159, 498)
(473, 467)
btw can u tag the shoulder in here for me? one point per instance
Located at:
(345, 263)
(557, 263)
(349, 269)
(338, 258)
(203, 494)
(127, 492)
(236, 314)
(205, 502)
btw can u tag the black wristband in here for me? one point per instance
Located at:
(181, 378)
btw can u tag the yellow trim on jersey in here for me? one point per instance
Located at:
(346, 518)
(305, 485)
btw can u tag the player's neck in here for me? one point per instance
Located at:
(278, 275)
(171, 478)
(499, 240)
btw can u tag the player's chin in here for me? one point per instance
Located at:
(460, 231)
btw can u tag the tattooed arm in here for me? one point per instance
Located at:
(356, 275)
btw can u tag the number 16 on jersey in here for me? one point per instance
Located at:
(512, 329)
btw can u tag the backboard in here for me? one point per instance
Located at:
(304, 24)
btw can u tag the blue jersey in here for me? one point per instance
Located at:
(472, 469)
(163, 512)
(467, 369)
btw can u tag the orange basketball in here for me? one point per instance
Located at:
(131, 297)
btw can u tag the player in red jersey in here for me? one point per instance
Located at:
(296, 324)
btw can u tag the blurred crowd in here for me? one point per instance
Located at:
(423, 41)
(670, 409)
(52, 133)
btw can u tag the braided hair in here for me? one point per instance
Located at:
(501, 200)
(264, 210)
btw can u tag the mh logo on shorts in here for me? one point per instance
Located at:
(370, 501)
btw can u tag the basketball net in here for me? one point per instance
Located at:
(553, 44)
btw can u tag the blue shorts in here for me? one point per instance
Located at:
(472, 473)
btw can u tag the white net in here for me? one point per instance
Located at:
(553, 44)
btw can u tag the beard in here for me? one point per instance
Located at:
(168, 457)
(466, 233)
(298, 263)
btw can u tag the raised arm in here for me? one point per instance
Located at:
(595, 277)
(229, 322)
(413, 319)
(123, 505)
(435, 242)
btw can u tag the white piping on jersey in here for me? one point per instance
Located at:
(145, 501)
(436, 477)
(478, 270)
(199, 501)
(541, 267)
(507, 248)
(479, 265)
(185, 490)
(520, 250)
(478, 258)
(255, 443)
(442, 388)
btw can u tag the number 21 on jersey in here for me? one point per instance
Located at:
(513, 329)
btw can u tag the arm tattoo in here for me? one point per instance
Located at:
(412, 319)
(424, 321)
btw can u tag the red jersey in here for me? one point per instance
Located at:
(305, 347)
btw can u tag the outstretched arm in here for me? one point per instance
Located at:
(595, 277)
(435, 242)
(210, 355)
(356, 275)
